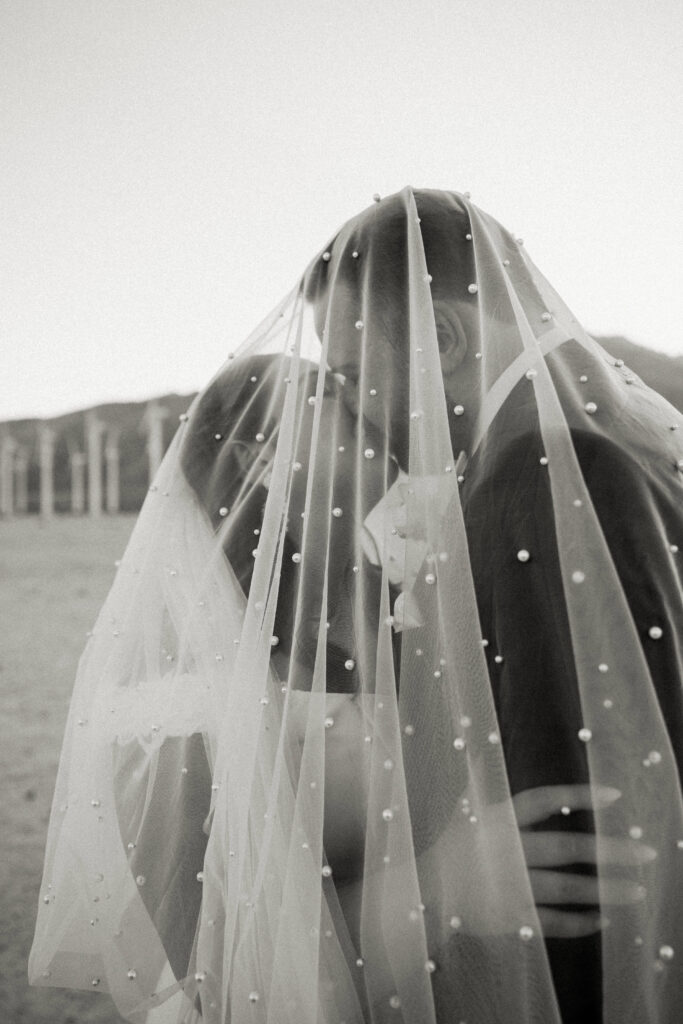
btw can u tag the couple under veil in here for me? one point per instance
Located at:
(382, 720)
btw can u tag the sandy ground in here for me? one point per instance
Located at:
(53, 578)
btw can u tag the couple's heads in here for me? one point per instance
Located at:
(379, 321)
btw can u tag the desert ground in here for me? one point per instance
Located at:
(53, 578)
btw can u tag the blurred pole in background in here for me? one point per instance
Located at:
(78, 461)
(111, 454)
(8, 447)
(154, 417)
(46, 441)
(94, 428)
(21, 480)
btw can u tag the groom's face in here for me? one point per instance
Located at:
(375, 357)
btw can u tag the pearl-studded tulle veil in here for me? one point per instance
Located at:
(413, 551)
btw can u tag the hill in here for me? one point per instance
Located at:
(663, 373)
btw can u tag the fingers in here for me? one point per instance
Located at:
(559, 887)
(532, 805)
(552, 849)
(561, 924)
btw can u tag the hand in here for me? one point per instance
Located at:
(545, 851)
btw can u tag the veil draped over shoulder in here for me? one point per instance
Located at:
(413, 553)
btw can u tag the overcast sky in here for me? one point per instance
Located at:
(168, 167)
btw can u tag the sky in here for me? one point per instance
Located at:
(169, 167)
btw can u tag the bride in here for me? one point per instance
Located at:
(382, 718)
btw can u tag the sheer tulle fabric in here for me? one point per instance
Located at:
(413, 550)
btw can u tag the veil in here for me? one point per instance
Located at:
(409, 567)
